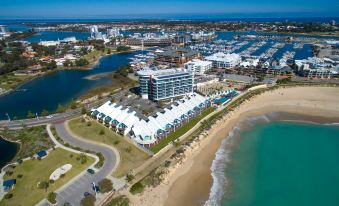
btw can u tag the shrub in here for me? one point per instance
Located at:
(60, 109)
(30, 115)
(129, 177)
(137, 188)
(116, 142)
(167, 163)
(121, 200)
(102, 132)
(128, 149)
(88, 201)
(89, 124)
(51, 197)
(105, 185)
(19, 176)
(51, 181)
(43, 185)
(44, 113)
(62, 175)
(83, 110)
(8, 196)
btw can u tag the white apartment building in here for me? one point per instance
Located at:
(198, 67)
(222, 60)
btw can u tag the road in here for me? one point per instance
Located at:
(73, 192)
(55, 118)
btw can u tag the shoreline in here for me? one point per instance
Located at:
(18, 147)
(196, 169)
(91, 66)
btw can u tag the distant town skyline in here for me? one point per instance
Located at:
(167, 9)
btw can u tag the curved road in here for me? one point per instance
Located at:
(74, 191)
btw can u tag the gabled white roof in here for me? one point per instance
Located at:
(115, 112)
(149, 129)
(131, 119)
(123, 115)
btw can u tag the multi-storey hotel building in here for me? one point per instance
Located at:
(163, 84)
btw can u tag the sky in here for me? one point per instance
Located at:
(167, 8)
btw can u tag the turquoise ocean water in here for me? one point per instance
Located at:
(278, 164)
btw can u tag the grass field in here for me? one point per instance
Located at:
(131, 156)
(179, 132)
(26, 191)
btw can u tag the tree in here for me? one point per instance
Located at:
(68, 63)
(44, 112)
(51, 197)
(81, 62)
(88, 201)
(123, 48)
(30, 115)
(105, 185)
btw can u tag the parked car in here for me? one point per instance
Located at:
(91, 171)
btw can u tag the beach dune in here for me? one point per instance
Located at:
(190, 183)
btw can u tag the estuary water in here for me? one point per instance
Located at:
(8, 151)
(60, 87)
(280, 163)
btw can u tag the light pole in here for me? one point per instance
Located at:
(9, 119)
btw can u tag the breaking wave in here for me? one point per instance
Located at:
(222, 158)
(219, 164)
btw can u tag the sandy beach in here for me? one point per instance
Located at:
(190, 182)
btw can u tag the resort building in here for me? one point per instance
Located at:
(314, 67)
(176, 57)
(198, 67)
(147, 132)
(222, 60)
(163, 84)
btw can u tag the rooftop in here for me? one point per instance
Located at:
(152, 72)
(181, 52)
(222, 57)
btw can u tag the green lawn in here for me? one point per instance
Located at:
(179, 132)
(93, 55)
(131, 156)
(34, 171)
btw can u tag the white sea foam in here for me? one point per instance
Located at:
(219, 164)
(222, 158)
